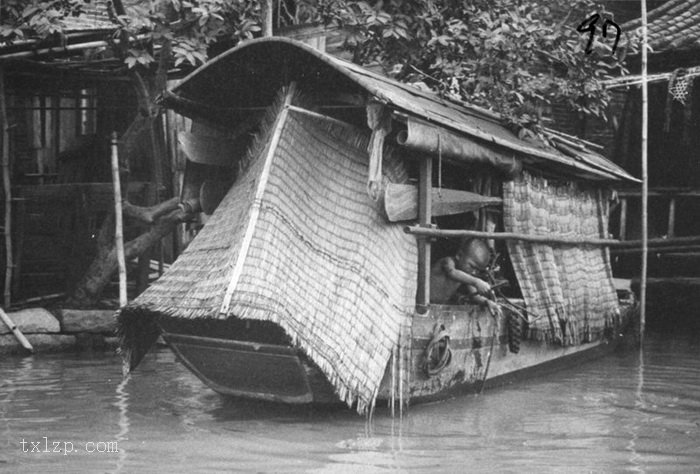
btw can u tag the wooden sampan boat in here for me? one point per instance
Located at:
(306, 286)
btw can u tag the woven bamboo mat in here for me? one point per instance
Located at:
(571, 285)
(323, 262)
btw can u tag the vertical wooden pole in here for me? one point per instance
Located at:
(623, 218)
(671, 218)
(7, 188)
(118, 224)
(645, 177)
(425, 186)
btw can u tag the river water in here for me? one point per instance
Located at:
(629, 412)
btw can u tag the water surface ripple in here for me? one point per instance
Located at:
(630, 412)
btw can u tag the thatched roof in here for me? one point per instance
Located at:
(249, 75)
(673, 26)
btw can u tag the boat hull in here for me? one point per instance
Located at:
(481, 354)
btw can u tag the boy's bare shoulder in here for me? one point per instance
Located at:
(445, 264)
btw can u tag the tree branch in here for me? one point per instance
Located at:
(149, 215)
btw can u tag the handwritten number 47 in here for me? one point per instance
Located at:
(588, 25)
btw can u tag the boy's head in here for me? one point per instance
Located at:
(473, 255)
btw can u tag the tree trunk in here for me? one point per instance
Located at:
(90, 287)
(162, 218)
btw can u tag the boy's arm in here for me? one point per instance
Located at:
(463, 277)
(481, 300)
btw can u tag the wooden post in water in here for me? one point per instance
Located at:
(118, 225)
(7, 188)
(645, 177)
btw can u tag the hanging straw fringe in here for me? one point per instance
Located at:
(137, 331)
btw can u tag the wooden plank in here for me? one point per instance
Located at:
(623, 219)
(401, 202)
(671, 217)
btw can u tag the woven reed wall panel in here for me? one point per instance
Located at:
(325, 264)
(195, 283)
(570, 287)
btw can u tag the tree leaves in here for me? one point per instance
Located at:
(513, 56)
(508, 55)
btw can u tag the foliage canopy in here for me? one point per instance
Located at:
(513, 56)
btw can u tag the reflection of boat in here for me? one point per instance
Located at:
(303, 285)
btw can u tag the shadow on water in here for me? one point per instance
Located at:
(234, 408)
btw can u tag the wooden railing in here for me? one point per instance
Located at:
(672, 194)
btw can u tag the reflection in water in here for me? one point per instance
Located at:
(635, 457)
(122, 404)
(629, 412)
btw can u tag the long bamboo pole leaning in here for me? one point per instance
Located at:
(118, 222)
(7, 188)
(645, 177)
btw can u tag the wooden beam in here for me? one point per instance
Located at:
(401, 202)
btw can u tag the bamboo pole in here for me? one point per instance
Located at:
(266, 17)
(64, 49)
(118, 224)
(645, 177)
(549, 239)
(685, 249)
(15, 330)
(7, 188)
(275, 136)
(425, 183)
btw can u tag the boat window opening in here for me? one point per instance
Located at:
(490, 218)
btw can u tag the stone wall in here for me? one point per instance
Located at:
(60, 331)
